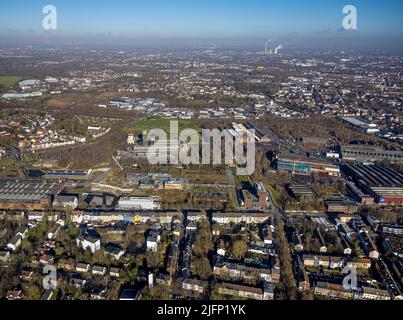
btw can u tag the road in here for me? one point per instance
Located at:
(231, 182)
(277, 212)
(388, 279)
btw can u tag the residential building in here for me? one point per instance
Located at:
(268, 290)
(114, 272)
(22, 232)
(374, 294)
(152, 241)
(14, 243)
(114, 250)
(236, 290)
(83, 267)
(89, 242)
(15, 294)
(359, 263)
(332, 291)
(237, 217)
(99, 270)
(226, 269)
(194, 285)
(66, 202)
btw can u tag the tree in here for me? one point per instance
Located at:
(204, 240)
(239, 249)
(27, 249)
(202, 268)
(156, 293)
(153, 259)
(32, 292)
(289, 285)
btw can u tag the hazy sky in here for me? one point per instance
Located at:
(198, 19)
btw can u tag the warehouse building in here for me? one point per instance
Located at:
(28, 194)
(306, 166)
(360, 124)
(381, 182)
(68, 175)
(259, 135)
(357, 195)
(341, 206)
(139, 203)
(299, 190)
(370, 153)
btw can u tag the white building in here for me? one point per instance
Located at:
(374, 294)
(14, 243)
(66, 202)
(90, 242)
(131, 139)
(153, 239)
(22, 232)
(99, 270)
(82, 267)
(193, 285)
(114, 250)
(139, 203)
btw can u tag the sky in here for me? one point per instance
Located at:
(198, 19)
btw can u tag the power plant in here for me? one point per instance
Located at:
(273, 50)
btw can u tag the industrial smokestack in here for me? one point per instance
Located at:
(278, 48)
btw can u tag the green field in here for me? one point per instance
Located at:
(139, 126)
(9, 81)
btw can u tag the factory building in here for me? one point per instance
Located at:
(381, 182)
(28, 194)
(139, 203)
(67, 175)
(360, 124)
(370, 154)
(307, 166)
(357, 195)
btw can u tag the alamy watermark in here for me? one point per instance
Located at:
(350, 21)
(49, 21)
(350, 280)
(184, 147)
(49, 282)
